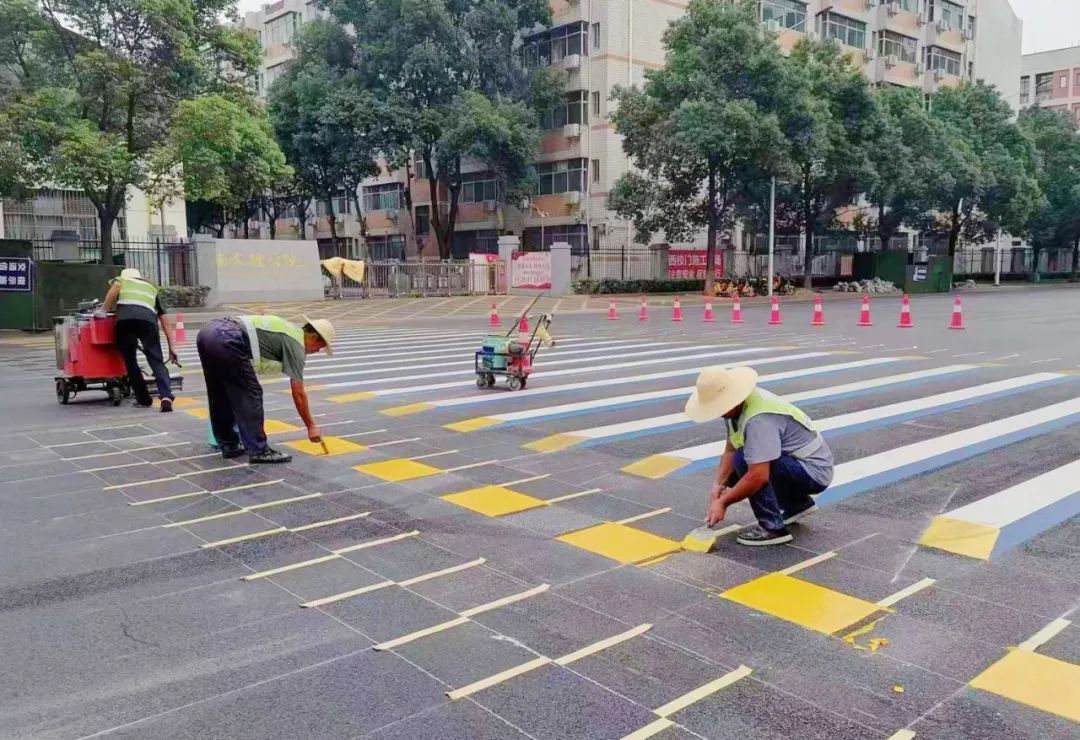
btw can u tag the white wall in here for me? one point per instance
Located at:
(144, 223)
(249, 270)
(998, 48)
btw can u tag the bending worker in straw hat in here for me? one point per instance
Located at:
(233, 351)
(774, 457)
(138, 312)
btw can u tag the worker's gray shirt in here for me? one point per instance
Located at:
(284, 349)
(767, 436)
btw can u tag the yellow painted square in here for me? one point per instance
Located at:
(656, 466)
(620, 542)
(350, 397)
(963, 538)
(494, 500)
(398, 470)
(199, 413)
(273, 426)
(336, 445)
(1039, 681)
(807, 604)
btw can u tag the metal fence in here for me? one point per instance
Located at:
(634, 262)
(1016, 262)
(393, 279)
(172, 263)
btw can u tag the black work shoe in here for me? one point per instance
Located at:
(166, 405)
(796, 516)
(758, 537)
(230, 451)
(141, 405)
(268, 457)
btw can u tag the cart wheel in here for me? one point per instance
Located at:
(490, 380)
(524, 381)
(116, 395)
(63, 391)
(515, 383)
(481, 381)
(125, 389)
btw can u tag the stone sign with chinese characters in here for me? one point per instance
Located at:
(16, 275)
(259, 270)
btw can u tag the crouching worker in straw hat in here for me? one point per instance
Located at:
(774, 457)
(233, 351)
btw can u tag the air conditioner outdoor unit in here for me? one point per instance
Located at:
(572, 130)
(571, 61)
(942, 26)
(891, 60)
(573, 198)
(772, 25)
(920, 68)
(969, 33)
(920, 19)
(489, 206)
(893, 8)
(939, 75)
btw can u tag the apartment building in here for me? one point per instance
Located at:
(55, 212)
(601, 44)
(1051, 79)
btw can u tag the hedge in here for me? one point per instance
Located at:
(744, 286)
(184, 296)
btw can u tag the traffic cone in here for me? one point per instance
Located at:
(957, 315)
(709, 317)
(493, 320)
(819, 313)
(864, 315)
(905, 313)
(612, 312)
(676, 310)
(774, 314)
(523, 325)
(736, 311)
(180, 334)
(643, 310)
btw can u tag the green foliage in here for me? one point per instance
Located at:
(1057, 144)
(184, 296)
(704, 129)
(747, 286)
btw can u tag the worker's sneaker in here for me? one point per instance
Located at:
(757, 537)
(801, 513)
(269, 457)
(166, 405)
(230, 451)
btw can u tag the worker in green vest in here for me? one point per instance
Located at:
(774, 457)
(139, 310)
(233, 352)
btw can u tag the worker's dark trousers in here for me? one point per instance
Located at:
(130, 333)
(232, 389)
(787, 492)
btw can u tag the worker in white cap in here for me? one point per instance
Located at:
(233, 352)
(774, 457)
(139, 310)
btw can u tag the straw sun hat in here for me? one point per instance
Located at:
(719, 390)
(325, 330)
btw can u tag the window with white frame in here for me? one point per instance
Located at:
(951, 15)
(845, 30)
(476, 187)
(574, 109)
(596, 103)
(904, 48)
(1044, 86)
(947, 61)
(788, 13)
(1025, 89)
(386, 197)
(282, 30)
(556, 44)
(561, 177)
(595, 35)
(911, 6)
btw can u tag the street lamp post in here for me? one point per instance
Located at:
(772, 231)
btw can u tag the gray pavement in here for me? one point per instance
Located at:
(488, 564)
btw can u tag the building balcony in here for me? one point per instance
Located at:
(891, 70)
(937, 34)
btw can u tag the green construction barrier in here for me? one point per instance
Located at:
(17, 309)
(933, 276)
(889, 265)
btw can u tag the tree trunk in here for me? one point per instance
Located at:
(361, 221)
(954, 232)
(437, 223)
(106, 221)
(1076, 259)
(339, 248)
(710, 249)
(808, 236)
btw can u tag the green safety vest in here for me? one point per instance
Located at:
(275, 324)
(135, 292)
(764, 402)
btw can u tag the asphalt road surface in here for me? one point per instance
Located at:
(493, 564)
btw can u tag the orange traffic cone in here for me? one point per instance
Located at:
(676, 310)
(957, 315)
(819, 313)
(523, 325)
(494, 320)
(905, 313)
(612, 312)
(709, 316)
(643, 310)
(774, 314)
(736, 311)
(864, 315)
(180, 334)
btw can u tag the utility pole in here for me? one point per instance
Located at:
(772, 231)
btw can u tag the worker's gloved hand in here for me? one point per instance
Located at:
(313, 434)
(174, 359)
(716, 513)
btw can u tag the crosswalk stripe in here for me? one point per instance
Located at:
(992, 525)
(637, 399)
(455, 350)
(688, 459)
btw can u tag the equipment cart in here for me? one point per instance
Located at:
(501, 356)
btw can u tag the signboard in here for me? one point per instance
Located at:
(15, 275)
(690, 264)
(920, 274)
(531, 270)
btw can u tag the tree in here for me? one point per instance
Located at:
(453, 73)
(227, 151)
(828, 118)
(704, 128)
(1057, 144)
(991, 165)
(93, 85)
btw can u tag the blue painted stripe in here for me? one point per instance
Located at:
(847, 490)
(879, 389)
(634, 434)
(1036, 523)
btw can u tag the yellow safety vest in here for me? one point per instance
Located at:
(275, 324)
(135, 292)
(763, 402)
